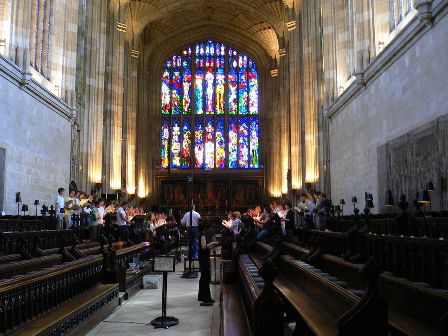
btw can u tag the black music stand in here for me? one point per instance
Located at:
(164, 264)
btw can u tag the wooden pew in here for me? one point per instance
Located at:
(414, 309)
(433, 227)
(116, 264)
(416, 259)
(29, 301)
(8, 270)
(12, 242)
(24, 224)
(320, 303)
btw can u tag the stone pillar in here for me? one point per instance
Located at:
(312, 69)
(94, 94)
(295, 98)
(116, 66)
(131, 125)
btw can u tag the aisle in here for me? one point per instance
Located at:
(135, 315)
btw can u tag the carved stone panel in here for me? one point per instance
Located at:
(416, 158)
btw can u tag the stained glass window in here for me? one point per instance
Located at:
(186, 143)
(165, 135)
(220, 85)
(199, 145)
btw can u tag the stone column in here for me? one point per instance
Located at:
(312, 70)
(116, 66)
(131, 115)
(295, 98)
(94, 96)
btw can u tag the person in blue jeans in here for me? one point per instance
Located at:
(193, 234)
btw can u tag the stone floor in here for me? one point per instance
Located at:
(133, 317)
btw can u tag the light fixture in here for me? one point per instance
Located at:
(389, 199)
(135, 53)
(122, 27)
(291, 25)
(24, 209)
(274, 72)
(342, 203)
(18, 201)
(36, 203)
(423, 197)
(354, 201)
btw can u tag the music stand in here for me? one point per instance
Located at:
(164, 264)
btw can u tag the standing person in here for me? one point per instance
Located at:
(59, 206)
(122, 221)
(93, 222)
(323, 210)
(193, 233)
(69, 209)
(101, 214)
(77, 211)
(204, 294)
(289, 221)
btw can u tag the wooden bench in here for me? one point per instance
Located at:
(29, 301)
(320, 303)
(8, 270)
(117, 261)
(414, 309)
(233, 317)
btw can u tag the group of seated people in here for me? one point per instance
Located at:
(279, 217)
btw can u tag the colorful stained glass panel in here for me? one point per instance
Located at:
(209, 143)
(220, 82)
(176, 92)
(243, 143)
(166, 97)
(175, 143)
(209, 90)
(253, 142)
(186, 106)
(233, 91)
(199, 145)
(165, 136)
(242, 92)
(199, 92)
(186, 143)
(233, 143)
(220, 147)
(253, 91)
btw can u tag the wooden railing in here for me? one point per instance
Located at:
(13, 242)
(116, 262)
(19, 225)
(417, 259)
(433, 227)
(26, 297)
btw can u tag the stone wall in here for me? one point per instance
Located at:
(410, 90)
(35, 131)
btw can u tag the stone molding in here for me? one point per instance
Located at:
(415, 30)
(12, 73)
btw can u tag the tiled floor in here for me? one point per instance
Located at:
(135, 315)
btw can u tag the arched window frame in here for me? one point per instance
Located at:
(223, 133)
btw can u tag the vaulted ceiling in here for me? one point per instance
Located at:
(168, 25)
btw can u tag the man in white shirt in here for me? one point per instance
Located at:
(193, 233)
(101, 213)
(59, 206)
(122, 221)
